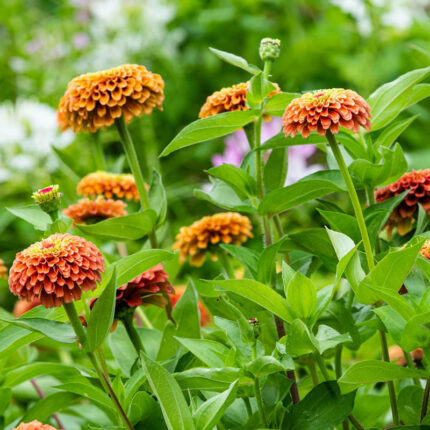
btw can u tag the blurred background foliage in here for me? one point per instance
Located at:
(357, 44)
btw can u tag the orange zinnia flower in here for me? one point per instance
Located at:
(195, 240)
(56, 269)
(34, 425)
(108, 185)
(95, 100)
(149, 287)
(396, 355)
(418, 184)
(98, 209)
(205, 317)
(3, 270)
(425, 250)
(228, 100)
(326, 109)
(22, 306)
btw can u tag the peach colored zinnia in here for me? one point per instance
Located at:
(34, 425)
(99, 209)
(22, 306)
(326, 109)
(94, 100)
(418, 184)
(229, 100)
(56, 269)
(108, 185)
(196, 240)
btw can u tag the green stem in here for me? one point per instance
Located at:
(226, 264)
(319, 359)
(133, 161)
(411, 365)
(133, 334)
(425, 400)
(313, 372)
(248, 406)
(338, 361)
(97, 150)
(82, 337)
(144, 318)
(280, 230)
(257, 391)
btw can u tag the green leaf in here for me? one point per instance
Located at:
(33, 215)
(236, 61)
(373, 371)
(276, 105)
(102, 315)
(5, 399)
(266, 365)
(409, 397)
(141, 407)
(352, 145)
(246, 256)
(393, 322)
(209, 128)
(88, 391)
(267, 262)
(391, 98)
(308, 188)
(417, 93)
(392, 131)
(323, 408)
(129, 227)
(328, 338)
(343, 223)
(275, 169)
(258, 293)
(186, 313)
(299, 340)
(173, 405)
(301, 295)
(259, 88)
(239, 180)
(157, 197)
(210, 412)
(210, 352)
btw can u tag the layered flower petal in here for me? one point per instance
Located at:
(34, 425)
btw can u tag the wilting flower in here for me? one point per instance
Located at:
(396, 354)
(228, 100)
(22, 306)
(195, 240)
(3, 270)
(97, 210)
(152, 286)
(418, 184)
(56, 269)
(326, 109)
(205, 317)
(95, 100)
(108, 185)
(34, 425)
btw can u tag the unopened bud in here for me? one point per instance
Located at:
(270, 49)
(255, 324)
(48, 198)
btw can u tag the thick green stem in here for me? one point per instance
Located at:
(226, 264)
(257, 392)
(313, 372)
(133, 161)
(133, 334)
(338, 361)
(144, 318)
(425, 403)
(248, 406)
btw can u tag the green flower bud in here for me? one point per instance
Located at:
(48, 199)
(270, 49)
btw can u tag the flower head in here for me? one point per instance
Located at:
(34, 425)
(197, 239)
(56, 269)
(48, 198)
(108, 185)
(228, 100)
(326, 109)
(397, 356)
(205, 317)
(3, 270)
(149, 287)
(22, 306)
(269, 49)
(418, 184)
(425, 250)
(95, 100)
(98, 209)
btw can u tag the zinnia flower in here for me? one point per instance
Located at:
(95, 100)
(396, 354)
(205, 317)
(98, 210)
(418, 184)
(3, 270)
(22, 306)
(326, 109)
(229, 100)
(56, 269)
(195, 240)
(34, 425)
(108, 185)
(425, 250)
(149, 287)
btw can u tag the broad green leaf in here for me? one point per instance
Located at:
(258, 293)
(276, 105)
(343, 223)
(89, 391)
(373, 371)
(141, 406)
(266, 365)
(210, 352)
(275, 169)
(267, 262)
(173, 405)
(236, 61)
(157, 197)
(210, 412)
(102, 315)
(33, 215)
(392, 131)
(299, 340)
(323, 408)
(209, 128)
(417, 93)
(246, 256)
(259, 88)
(5, 399)
(128, 227)
(241, 182)
(416, 333)
(186, 313)
(328, 338)
(391, 98)
(352, 145)
(408, 399)
(393, 322)
(301, 295)
(280, 141)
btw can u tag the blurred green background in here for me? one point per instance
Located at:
(356, 44)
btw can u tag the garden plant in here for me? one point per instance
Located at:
(108, 337)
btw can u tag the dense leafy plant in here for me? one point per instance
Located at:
(281, 349)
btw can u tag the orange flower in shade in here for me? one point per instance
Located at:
(205, 317)
(56, 269)
(108, 185)
(326, 109)
(195, 240)
(3, 270)
(149, 287)
(22, 306)
(97, 210)
(396, 354)
(425, 250)
(94, 100)
(34, 425)
(228, 100)
(418, 184)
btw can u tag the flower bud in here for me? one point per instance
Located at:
(255, 324)
(48, 199)
(270, 49)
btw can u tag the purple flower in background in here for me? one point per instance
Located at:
(81, 40)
